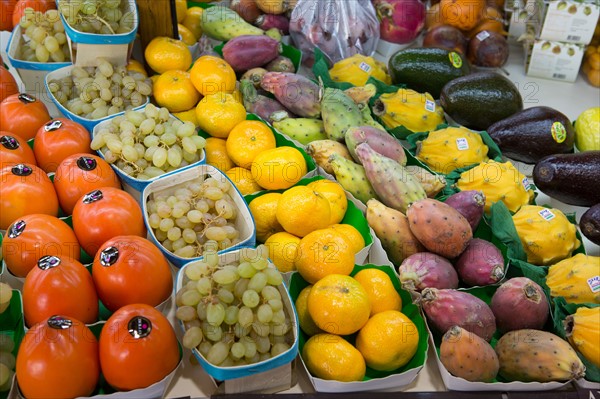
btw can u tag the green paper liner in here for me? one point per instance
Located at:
(13, 324)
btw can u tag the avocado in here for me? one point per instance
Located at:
(480, 99)
(590, 224)
(427, 69)
(533, 134)
(570, 178)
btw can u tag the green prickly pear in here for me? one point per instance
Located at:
(391, 181)
(339, 112)
(352, 177)
(303, 130)
(368, 119)
(222, 23)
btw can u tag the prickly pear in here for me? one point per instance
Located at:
(296, 92)
(265, 107)
(427, 270)
(379, 140)
(468, 356)
(248, 51)
(247, 9)
(255, 76)
(535, 355)
(432, 183)
(391, 227)
(523, 297)
(222, 23)
(339, 113)
(470, 204)
(393, 184)
(352, 177)
(361, 94)
(281, 64)
(303, 130)
(268, 21)
(322, 150)
(439, 227)
(480, 264)
(446, 308)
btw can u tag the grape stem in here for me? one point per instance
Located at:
(96, 16)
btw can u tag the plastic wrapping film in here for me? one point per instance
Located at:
(339, 28)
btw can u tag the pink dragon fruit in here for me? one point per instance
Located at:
(401, 20)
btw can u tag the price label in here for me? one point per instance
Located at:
(594, 283)
(365, 67)
(526, 183)
(547, 214)
(481, 36)
(462, 144)
(430, 105)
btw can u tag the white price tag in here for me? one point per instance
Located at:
(547, 214)
(594, 283)
(462, 144)
(526, 184)
(430, 105)
(365, 67)
(481, 36)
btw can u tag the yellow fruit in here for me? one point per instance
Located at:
(388, 341)
(186, 35)
(358, 68)
(594, 60)
(583, 332)
(154, 78)
(380, 289)
(570, 278)
(407, 108)
(307, 324)
(211, 75)
(587, 127)
(136, 66)
(216, 154)
(264, 211)
(353, 236)
(248, 139)
(192, 19)
(180, 8)
(219, 113)
(324, 252)
(283, 250)
(302, 210)
(278, 168)
(175, 91)
(339, 304)
(188, 116)
(336, 196)
(165, 54)
(242, 178)
(330, 357)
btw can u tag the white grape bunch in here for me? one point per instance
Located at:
(198, 215)
(97, 92)
(43, 37)
(234, 313)
(149, 143)
(104, 17)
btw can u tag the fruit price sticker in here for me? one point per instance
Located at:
(462, 144)
(481, 36)
(526, 183)
(365, 67)
(594, 283)
(546, 214)
(430, 105)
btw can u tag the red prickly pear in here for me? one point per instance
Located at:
(296, 92)
(267, 108)
(268, 21)
(401, 20)
(427, 270)
(481, 263)
(247, 51)
(446, 308)
(468, 356)
(379, 140)
(523, 297)
(247, 9)
(470, 204)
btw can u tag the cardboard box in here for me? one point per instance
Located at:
(564, 20)
(553, 60)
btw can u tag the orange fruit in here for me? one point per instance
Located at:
(136, 66)
(264, 212)
(283, 250)
(336, 196)
(302, 210)
(216, 154)
(593, 76)
(175, 91)
(307, 324)
(594, 60)
(462, 14)
(380, 289)
(248, 139)
(188, 116)
(218, 113)
(352, 235)
(331, 357)
(389, 340)
(165, 54)
(242, 179)
(211, 75)
(278, 168)
(193, 19)
(324, 252)
(339, 304)
(186, 35)
(180, 9)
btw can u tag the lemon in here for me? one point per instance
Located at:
(587, 130)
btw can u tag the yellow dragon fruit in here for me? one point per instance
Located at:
(583, 332)
(357, 70)
(413, 110)
(577, 279)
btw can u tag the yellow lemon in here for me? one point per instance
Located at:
(283, 250)
(219, 113)
(264, 211)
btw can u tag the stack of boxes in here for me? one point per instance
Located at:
(554, 34)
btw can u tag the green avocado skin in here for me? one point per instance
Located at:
(590, 224)
(426, 69)
(480, 99)
(570, 178)
(533, 134)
